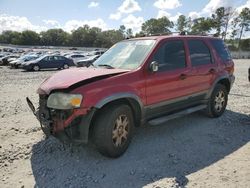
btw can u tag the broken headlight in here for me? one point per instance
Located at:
(64, 101)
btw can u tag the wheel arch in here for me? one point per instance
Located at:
(226, 83)
(130, 99)
(223, 80)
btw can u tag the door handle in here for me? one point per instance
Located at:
(183, 76)
(212, 71)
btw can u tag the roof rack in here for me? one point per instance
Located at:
(182, 33)
(169, 33)
(178, 33)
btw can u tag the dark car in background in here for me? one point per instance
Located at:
(47, 62)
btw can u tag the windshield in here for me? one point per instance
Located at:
(27, 58)
(126, 54)
(40, 58)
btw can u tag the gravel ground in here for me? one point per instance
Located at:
(192, 151)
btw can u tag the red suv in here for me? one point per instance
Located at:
(150, 79)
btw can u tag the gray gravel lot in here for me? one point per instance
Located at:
(192, 151)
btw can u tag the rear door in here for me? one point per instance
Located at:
(58, 61)
(204, 67)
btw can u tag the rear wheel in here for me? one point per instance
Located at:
(218, 101)
(36, 68)
(113, 130)
(65, 66)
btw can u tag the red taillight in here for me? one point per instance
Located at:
(230, 69)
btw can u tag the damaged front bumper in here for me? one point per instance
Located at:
(70, 126)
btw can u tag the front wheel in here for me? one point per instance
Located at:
(113, 130)
(36, 68)
(218, 101)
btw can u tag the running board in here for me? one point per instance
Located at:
(163, 119)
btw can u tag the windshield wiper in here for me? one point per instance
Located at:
(106, 65)
(91, 64)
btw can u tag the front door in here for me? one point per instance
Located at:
(171, 82)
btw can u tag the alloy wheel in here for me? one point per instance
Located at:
(36, 68)
(65, 66)
(120, 131)
(219, 101)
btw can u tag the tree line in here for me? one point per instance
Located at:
(223, 20)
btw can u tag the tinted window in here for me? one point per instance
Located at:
(80, 56)
(46, 58)
(51, 58)
(199, 53)
(221, 49)
(59, 58)
(76, 56)
(171, 56)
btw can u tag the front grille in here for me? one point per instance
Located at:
(44, 115)
(43, 110)
(43, 100)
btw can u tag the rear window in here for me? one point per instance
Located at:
(221, 49)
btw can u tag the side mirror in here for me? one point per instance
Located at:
(154, 66)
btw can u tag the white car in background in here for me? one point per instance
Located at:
(76, 57)
(16, 63)
(87, 61)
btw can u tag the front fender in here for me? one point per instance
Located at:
(116, 96)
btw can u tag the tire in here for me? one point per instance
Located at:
(217, 102)
(65, 66)
(111, 133)
(36, 68)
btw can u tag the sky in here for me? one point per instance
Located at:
(40, 15)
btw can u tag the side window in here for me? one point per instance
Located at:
(51, 58)
(199, 53)
(59, 58)
(46, 58)
(171, 56)
(62, 58)
(221, 49)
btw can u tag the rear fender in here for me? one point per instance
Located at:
(230, 78)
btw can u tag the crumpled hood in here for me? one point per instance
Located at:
(66, 78)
